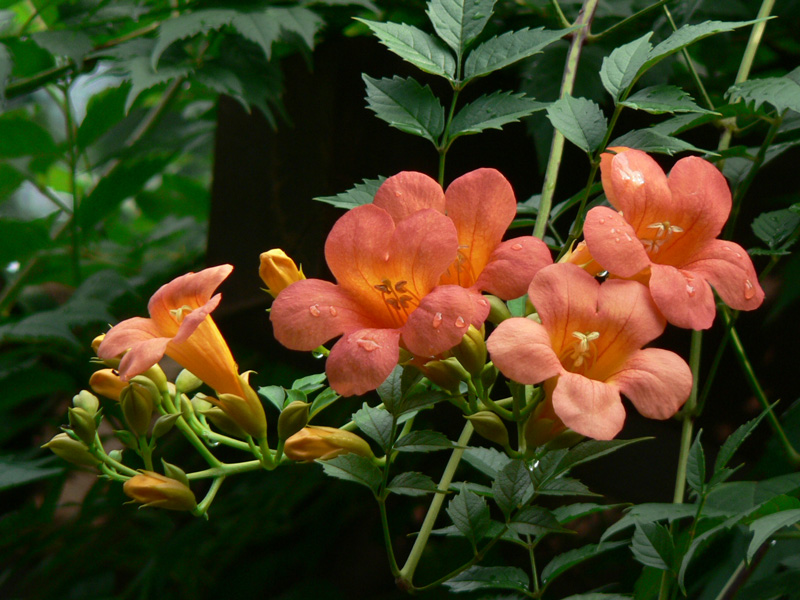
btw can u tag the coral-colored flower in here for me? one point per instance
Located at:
(482, 205)
(587, 351)
(181, 327)
(387, 272)
(665, 236)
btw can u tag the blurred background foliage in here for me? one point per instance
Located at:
(140, 139)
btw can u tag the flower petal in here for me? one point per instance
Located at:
(628, 317)
(442, 319)
(592, 408)
(191, 321)
(405, 193)
(684, 298)
(512, 265)
(310, 312)
(192, 290)
(613, 243)
(362, 360)
(727, 267)
(657, 381)
(521, 349)
(124, 335)
(142, 356)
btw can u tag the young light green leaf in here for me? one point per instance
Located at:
(377, 423)
(275, 394)
(737, 438)
(406, 105)
(781, 92)
(324, 399)
(470, 515)
(310, 383)
(414, 45)
(512, 487)
(412, 484)
(502, 51)
(352, 467)
(661, 99)
(361, 193)
(75, 45)
(459, 22)
(567, 560)
(621, 67)
(535, 520)
(492, 112)
(696, 465)
(649, 140)
(764, 527)
(653, 546)
(423, 441)
(487, 460)
(580, 121)
(481, 578)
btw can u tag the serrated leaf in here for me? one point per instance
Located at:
(621, 67)
(275, 394)
(487, 460)
(143, 76)
(570, 512)
(75, 45)
(535, 520)
(774, 227)
(418, 401)
(406, 105)
(652, 546)
(412, 484)
(352, 467)
(470, 515)
(781, 92)
(564, 486)
(579, 120)
(649, 140)
(696, 465)
(361, 193)
(661, 99)
(188, 25)
(512, 487)
(22, 137)
(377, 423)
(567, 560)
(16, 471)
(764, 527)
(459, 22)
(423, 441)
(481, 578)
(104, 110)
(492, 112)
(591, 450)
(649, 513)
(736, 439)
(324, 399)
(415, 46)
(310, 383)
(504, 50)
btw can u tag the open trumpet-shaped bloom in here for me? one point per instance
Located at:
(665, 235)
(587, 350)
(387, 271)
(481, 205)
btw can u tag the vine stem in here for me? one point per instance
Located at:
(688, 416)
(583, 23)
(406, 574)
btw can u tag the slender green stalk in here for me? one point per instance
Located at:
(534, 571)
(690, 63)
(688, 415)
(189, 433)
(626, 21)
(202, 508)
(583, 23)
(381, 498)
(406, 574)
(99, 452)
(446, 141)
(72, 157)
(227, 469)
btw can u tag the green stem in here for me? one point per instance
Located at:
(189, 433)
(626, 21)
(227, 469)
(381, 498)
(688, 415)
(146, 452)
(690, 63)
(583, 23)
(406, 574)
(534, 571)
(202, 508)
(446, 141)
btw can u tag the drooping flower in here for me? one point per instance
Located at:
(180, 326)
(587, 351)
(387, 295)
(664, 235)
(482, 205)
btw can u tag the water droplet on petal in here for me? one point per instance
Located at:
(398, 194)
(333, 311)
(314, 310)
(602, 221)
(516, 247)
(460, 322)
(616, 240)
(368, 344)
(613, 231)
(483, 302)
(738, 255)
(437, 320)
(749, 289)
(690, 290)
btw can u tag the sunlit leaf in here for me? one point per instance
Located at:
(580, 121)
(492, 112)
(406, 105)
(459, 22)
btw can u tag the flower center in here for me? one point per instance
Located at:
(178, 313)
(461, 272)
(400, 301)
(662, 232)
(583, 351)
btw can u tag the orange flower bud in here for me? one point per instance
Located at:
(106, 382)
(156, 490)
(278, 271)
(314, 442)
(97, 341)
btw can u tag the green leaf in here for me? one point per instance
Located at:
(591, 450)
(774, 227)
(570, 512)
(310, 383)
(504, 50)
(412, 484)
(535, 520)
(6, 68)
(414, 45)
(418, 401)
(512, 487)
(324, 399)
(75, 45)
(736, 439)
(423, 441)
(648, 513)
(10, 180)
(487, 460)
(459, 22)
(23, 239)
(764, 527)
(406, 105)
(661, 99)
(564, 486)
(125, 181)
(649, 140)
(652, 546)
(361, 193)
(482, 578)
(597, 596)
(377, 423)
(567, 560)
(580, 121)
(275, 394)
(470, 515)
(104, 110)
(741, 496)
(16, 471)
(143, 76)
(696, 465)
(492, 112)
(352, 467)
(781, 92)
(621, 67)
(21, 137)
(55, 325)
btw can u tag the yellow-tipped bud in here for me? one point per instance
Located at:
(247, 412)
(322, 443)
(72, 451)
(471, 352)
(97, 341)
(292, 419)
(489, 426)
(106, 382)
(278, 271)
(156, 490)
(137, 407)
(222, 421)
(87, 401)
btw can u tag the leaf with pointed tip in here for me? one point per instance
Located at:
(781, 92)
(492, 112)
(621, 67)
(412, 484)
(275, 394)
(23, 137)
(470, 515)
(738, 437)
(414, 45)
(652, 546)
(570, 512)
(764, 527)
(352, 467)
(650, 140)
(696, 465)
(773, 228)
(535, 520)
(487, 460)
(459, 22)
(591, 450)
(423, 441)
(75, 45)
(648, 513)
(580, 121)
(564, 486)
(361, 193)
(324, 399)
(567, 560)
(482, 578)
(377, 423)
(512, 487)
(143, 76)
(661, 99)
(406, 105)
